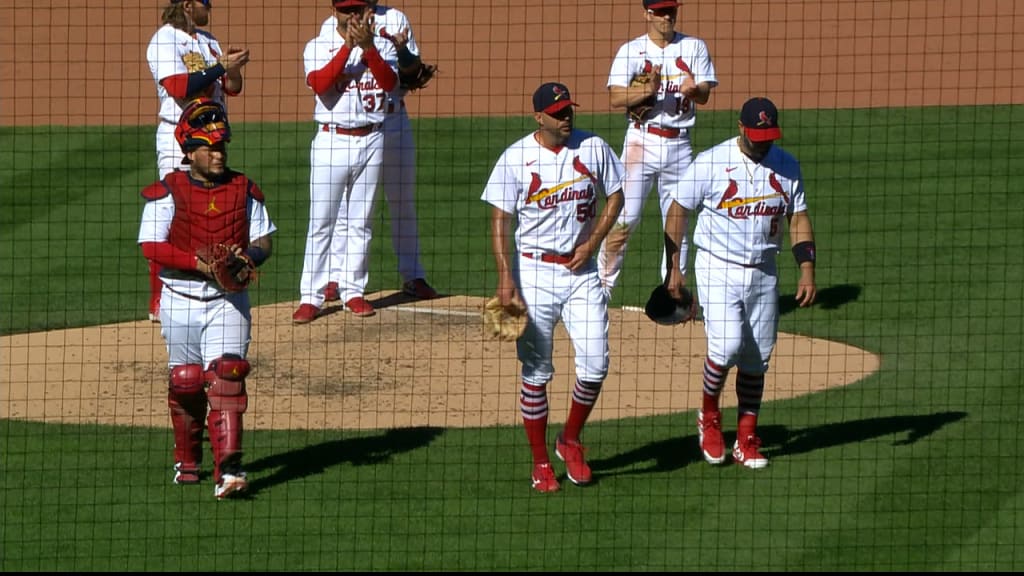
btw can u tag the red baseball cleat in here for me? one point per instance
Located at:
(305, 314)
(360, 307)
(709, 429)
(331, 293)
(745, 451)
(544, 478)
(575, 466)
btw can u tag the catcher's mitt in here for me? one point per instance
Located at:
(638, 112)
(504, 322)
(663, 309)
(418, 78)
(229, 271)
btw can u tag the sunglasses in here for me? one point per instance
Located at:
(663, 12)
(349, 9)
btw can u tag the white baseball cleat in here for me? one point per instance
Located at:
(231, 485)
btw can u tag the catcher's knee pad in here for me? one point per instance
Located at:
(226, 377)
(187, 380)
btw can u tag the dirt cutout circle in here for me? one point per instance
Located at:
(413, 364)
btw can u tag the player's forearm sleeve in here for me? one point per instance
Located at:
(168, 255)
(385, 76)
(183, 86)
(321, 80)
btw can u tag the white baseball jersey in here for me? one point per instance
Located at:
(386, 21)
(357, 100)
(683, 54)
(741, 202)
(156, 227)
(554, 193)
(172, 51)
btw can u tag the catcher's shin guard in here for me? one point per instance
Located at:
(186, 397)
(228, 401)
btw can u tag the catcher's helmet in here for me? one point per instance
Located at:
(665, 310)
(204, 122)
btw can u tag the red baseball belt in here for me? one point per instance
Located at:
(357, 131)
(549, 258)
(658, 130)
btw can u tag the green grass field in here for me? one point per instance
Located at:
(918, 218)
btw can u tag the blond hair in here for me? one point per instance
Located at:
(174, 14)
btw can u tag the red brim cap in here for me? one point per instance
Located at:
(560, 105)
(762, 134)
(346, 3)
(663, 4)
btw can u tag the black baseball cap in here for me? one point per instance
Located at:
(660, 4)
(760, 120)
(552, 97)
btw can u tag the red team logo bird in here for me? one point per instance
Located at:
(729, 194)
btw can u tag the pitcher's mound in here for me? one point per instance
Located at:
(413, 364)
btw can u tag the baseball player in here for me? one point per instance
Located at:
(549, 183)
(398, 175)
(742, 189)
(351, 71)
(207, 330)
(657, 144)
(186, 63)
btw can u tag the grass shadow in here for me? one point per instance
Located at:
(359, 451)
(779, 441)
(829, 298)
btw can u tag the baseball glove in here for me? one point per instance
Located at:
(638, 112)
(229, 271)
(418, 78)
(663, 309)
(504, 322)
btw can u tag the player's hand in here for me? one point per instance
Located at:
(688, 87)
(507, 292)
(400, 40)
(655, 84)
(234, 59)
(806, 291)
(581, 257)
(675, 283)
(360, 34)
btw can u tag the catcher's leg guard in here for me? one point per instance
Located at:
(228, 401)
(186, 398)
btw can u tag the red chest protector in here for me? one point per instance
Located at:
(207, 214)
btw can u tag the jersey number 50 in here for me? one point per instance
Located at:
(586, 211)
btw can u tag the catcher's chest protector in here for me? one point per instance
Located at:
(204, 216)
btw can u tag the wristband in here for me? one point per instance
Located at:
(256, 254)
(804, 252)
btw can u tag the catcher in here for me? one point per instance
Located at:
(550, 184)
(208, 229)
